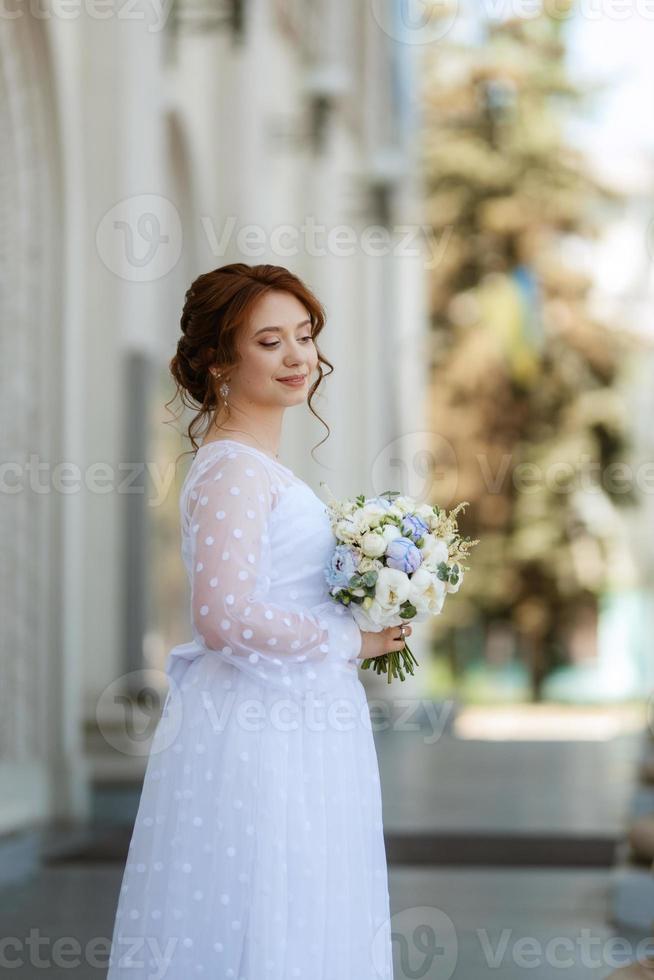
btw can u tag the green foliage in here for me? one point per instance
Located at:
(525, 375)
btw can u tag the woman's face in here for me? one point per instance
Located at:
(275, 344)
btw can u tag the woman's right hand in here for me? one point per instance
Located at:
(386, 641)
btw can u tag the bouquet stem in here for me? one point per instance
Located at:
(393, 664)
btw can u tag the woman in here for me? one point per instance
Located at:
(258, 850)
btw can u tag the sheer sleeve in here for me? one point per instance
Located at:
(230, 605)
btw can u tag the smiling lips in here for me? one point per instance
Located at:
(294, 379)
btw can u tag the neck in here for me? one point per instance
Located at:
(264, 429)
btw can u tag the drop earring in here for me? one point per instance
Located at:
(224, 388)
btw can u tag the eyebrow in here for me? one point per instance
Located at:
(261, 329)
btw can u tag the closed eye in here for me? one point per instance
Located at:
(276, 342)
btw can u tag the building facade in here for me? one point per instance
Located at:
(147, 144)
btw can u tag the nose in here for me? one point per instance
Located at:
(294, 357)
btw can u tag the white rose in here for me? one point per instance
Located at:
(371, 617)
(371, 514)
(392, 588)
(373, 544)
(434, 551)
(405, 505)
(346, 530)
(360, 521)
(369, 565)
(378, 614)
(436, 604)
(390, 532)
(426, 591)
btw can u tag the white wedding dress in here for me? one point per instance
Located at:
(258, 851)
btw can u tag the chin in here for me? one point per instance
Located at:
(297, 394)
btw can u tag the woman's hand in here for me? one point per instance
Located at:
(386, 641)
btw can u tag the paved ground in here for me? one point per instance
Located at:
(466, 924)
(452, 920)
(521, 787)
(512, 925)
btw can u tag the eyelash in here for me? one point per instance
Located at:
(270, 346)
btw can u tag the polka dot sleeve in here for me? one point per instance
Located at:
(230, 582)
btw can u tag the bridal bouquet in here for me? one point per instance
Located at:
(395, 561)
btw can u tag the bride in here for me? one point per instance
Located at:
(258, 850)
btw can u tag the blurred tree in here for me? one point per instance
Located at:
(523, 370)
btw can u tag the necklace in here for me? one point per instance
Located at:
(276, 456)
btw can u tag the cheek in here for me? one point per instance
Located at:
(260, 366)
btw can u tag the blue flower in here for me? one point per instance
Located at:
(341, 568)
(414, 527)
(403, 555)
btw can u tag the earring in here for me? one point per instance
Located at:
(224, 388)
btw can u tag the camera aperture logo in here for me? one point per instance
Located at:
(140, 238)
(416, 22)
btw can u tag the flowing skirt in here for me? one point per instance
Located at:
(257, 851)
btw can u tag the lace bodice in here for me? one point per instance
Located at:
(255, 542)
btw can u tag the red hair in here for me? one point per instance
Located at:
(216, 309)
